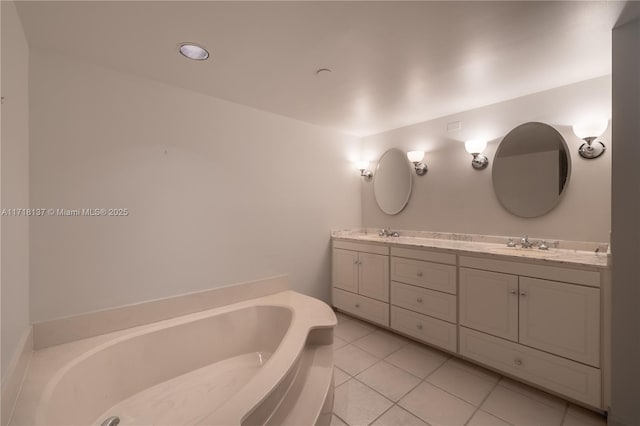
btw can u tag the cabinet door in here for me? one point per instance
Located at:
(345, 270)
(489, 302)
(374, 276)
(561, 318)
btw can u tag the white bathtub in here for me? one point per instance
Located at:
(263, 361)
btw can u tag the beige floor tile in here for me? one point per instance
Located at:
(352, 330)
(482, 418)
(436, 406)
(389, 380)
(339, 376)
(578, 416)
(531, 392)
(397, 416)
(381, 343)
(357, 404)
(338, 342)
(464, 380)
(417, 360)
(342, 317)
(520, 409)
(335, 421)
(353, 360)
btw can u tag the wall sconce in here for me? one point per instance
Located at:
(589, 132)
(475, 148)
(416, 158)
(363, 166)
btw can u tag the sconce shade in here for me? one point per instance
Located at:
(475, 146)
(590, 129)
(362, 164)
(415, 156)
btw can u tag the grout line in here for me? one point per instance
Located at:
(483, 401)
(534, 391)
(381, 414)
(564, 415)
(341, 419)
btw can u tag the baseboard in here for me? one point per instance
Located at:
(58, 331)
(15, 376)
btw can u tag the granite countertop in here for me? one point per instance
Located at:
(560, 252)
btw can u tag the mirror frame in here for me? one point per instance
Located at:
(566, 183)
(409, 171)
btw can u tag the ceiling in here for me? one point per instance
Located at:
(393, 63)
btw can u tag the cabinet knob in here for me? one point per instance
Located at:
(419, 326)
(357, 305)
(419, 300)
(419, 273)
(522, 293)
(517, 361)
(355, 262)
(514, 292)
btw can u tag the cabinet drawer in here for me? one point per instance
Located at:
(428, 255)
(430, 330)
(434, 276)
(561, 375)
(424, 301)
(361, 306)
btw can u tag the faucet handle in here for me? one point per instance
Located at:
(511, 243)
(543, 245)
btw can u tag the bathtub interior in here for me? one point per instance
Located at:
(231, 347)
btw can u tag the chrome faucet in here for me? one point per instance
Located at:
(525, 243)
(111, 421)
(386, 232)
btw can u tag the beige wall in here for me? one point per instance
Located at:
(625, 236)
(14, 190)
(453, 197)
(218, 193)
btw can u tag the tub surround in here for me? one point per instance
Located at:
(542, 317)
(578, 253)
(63, 330)
(301, 353)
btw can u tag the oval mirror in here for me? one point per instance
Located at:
(392, 181)
(531, 169)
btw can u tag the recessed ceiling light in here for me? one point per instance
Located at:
(193, 51)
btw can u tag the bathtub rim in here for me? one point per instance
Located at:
(42, 410)
(307, 314)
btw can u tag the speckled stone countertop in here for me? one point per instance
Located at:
(569, 253)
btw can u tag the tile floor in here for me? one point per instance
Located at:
(384, 379)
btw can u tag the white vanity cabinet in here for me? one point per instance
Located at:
(542, 322)
(360, 280)
(544, 331)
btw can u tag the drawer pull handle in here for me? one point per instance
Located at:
(419, 273)
(419, 300)
(514, 292)
(523, 294)
(419, 326)
(357, 305)
(517, 361)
